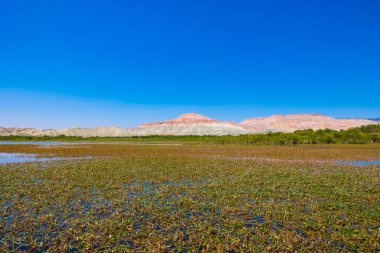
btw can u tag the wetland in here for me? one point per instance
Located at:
(191, 198)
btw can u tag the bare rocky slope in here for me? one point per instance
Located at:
(196, 124)
(185, 124)
(84, 132)
(292, 122)
(191, 124)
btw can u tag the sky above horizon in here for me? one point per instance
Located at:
(95, 63)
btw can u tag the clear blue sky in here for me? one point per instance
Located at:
(88, 63)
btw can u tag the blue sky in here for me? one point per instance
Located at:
(90, 63)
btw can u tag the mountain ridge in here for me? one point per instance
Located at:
(293, 122)
(197, 124)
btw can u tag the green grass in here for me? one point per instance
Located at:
(191, 198)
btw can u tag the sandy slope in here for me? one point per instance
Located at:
(196, 124)
(292, 122)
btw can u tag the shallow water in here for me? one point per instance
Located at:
(21, 157)
(37, 143)
(360, 163)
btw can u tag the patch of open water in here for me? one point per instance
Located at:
(38, 143)
(22, 157)
(360, 163)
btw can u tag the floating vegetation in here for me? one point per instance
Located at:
(186, 198)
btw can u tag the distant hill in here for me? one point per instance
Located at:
(196, 124)
(293, 122)
(377, 119)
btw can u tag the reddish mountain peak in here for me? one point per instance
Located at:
(189, 119)
(192, 116)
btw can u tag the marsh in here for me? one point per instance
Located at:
(130, 197)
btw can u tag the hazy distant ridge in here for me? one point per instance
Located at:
(196, 124)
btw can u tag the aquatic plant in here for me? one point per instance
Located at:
(191, 198)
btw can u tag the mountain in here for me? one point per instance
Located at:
(196, 124)
(377, 119)
(185, 124)
(19, 131)
(191, 124)
(292, 122)
(84, 132)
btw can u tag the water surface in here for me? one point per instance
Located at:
(360, 163)
(21, 157)
(38, 143)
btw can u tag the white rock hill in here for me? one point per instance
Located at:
(191, 124)
(196, 124)
(292, 122)
(185, 124)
